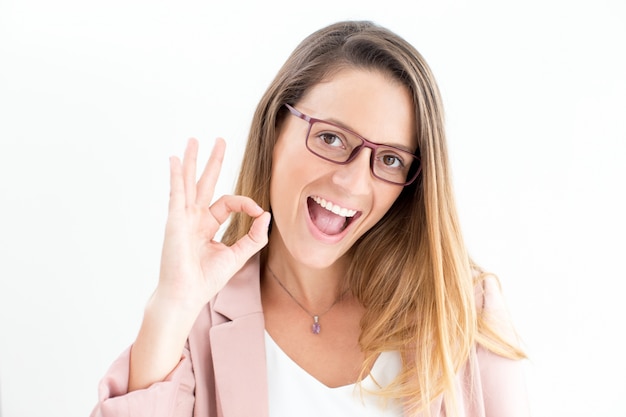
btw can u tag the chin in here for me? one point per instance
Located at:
(317, 258)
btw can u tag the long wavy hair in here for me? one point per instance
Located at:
(411, 271)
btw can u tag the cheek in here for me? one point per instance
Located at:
(385, 199)
(292, 162)
(289, 172)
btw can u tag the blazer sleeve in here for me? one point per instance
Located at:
(503, 381)
(173, 397)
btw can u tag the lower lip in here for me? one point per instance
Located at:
(321, 236)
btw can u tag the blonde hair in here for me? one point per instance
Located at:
(411, 271)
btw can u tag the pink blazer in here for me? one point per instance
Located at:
(222, 372)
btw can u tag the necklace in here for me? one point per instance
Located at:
(316, 327)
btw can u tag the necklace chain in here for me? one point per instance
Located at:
(316, 327)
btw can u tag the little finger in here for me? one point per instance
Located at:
(177, 188)
(189, 171)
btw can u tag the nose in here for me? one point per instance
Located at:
(356, 176)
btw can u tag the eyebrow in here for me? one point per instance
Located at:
(343, 126)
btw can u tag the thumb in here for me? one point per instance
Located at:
(254, 240)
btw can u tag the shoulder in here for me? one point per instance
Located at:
(495, 330)
(498, 352)
(487, 291)
(489, 298)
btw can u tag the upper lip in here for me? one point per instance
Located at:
(334, 207)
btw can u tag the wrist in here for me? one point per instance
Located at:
(173, 312)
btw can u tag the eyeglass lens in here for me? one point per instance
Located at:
(338, 145)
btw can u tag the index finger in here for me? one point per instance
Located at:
(208, 179)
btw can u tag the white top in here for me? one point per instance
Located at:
(294, 392)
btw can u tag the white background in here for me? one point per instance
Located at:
(95, 96)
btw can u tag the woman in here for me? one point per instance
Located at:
(356, 296)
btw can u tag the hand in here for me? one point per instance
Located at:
(194, 267)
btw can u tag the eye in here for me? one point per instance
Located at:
(391, 160)
(331, 139)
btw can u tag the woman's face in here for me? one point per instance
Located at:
(369, 103)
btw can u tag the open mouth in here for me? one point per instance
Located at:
(330, 218)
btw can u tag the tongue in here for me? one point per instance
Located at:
(328, 222)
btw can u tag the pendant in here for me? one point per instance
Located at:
(316, 325)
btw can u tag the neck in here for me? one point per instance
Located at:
(316, 289)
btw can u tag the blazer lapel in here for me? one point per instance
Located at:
(238, 346)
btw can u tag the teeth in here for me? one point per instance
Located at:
(341, 211)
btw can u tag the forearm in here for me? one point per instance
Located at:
(160, 341)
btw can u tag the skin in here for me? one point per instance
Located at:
(309, 265)
(194, 267)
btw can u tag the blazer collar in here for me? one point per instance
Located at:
(238, 346)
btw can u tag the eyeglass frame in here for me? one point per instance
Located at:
(365, 143)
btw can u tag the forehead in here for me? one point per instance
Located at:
(368, 102)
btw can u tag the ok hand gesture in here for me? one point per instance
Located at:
(194, 267)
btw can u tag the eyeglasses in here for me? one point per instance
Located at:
(340, 145)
